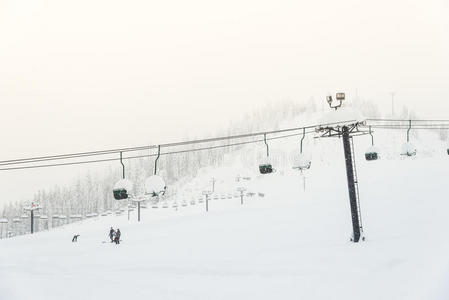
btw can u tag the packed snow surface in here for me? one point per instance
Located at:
(288, 244)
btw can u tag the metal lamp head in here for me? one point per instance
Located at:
(340, 96)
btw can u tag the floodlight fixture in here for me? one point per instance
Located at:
(339, 97)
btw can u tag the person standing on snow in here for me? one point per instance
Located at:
(75, 238)
(111, 234)
(117, 236)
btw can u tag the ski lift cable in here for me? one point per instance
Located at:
(406, 120)
(72, 155)
(401, 127)
(147, 147)
(150, 155)
(231, 137)
(104, 152)
(407, 125)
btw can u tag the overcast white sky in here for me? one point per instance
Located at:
(93, 74)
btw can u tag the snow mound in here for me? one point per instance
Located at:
(303, 161)
(124, 184)
(154, 185)
(372, 149)
(408, 149)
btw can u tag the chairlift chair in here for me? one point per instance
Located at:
(408, 149)
(303, 161)
(122, 189)
(155, 186)
(266, 167)
(372, 153)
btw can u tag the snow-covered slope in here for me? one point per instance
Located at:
(288, 244)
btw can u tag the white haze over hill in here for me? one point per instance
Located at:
(99, 74)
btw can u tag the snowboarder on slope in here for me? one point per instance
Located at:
(111, 234)
(117, 236)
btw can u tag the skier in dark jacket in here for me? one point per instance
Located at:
(111, 234)
(117, 236)
(75, 238)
